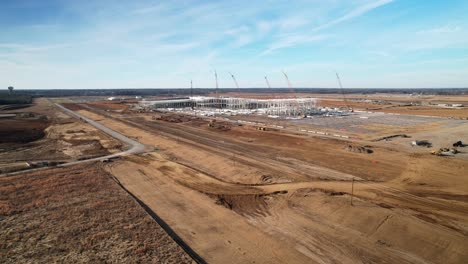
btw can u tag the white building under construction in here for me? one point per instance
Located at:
(278, 107)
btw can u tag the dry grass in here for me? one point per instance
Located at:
(77, 214)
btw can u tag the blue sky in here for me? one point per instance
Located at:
(114, 44)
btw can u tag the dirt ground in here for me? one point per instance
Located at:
(39, 133)
(401, 105)
(78, 215)
(255, 196)
(241, 195)
(111, 106)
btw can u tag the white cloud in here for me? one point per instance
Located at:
(168, 43)
(264, 27)
(379, 53)
(292, 22)
(360, 10)
(441, 30)
(287, 41)
(149, 9)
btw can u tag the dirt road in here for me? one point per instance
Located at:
(135, 146)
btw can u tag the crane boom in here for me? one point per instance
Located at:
(287, 80)
(235, 81)
(216, 80)
(191, 88)
(342, 92)
(267, 82)
(291, 90)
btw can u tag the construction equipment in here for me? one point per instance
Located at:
(288, 81)
(445, 152)
(343, 94)
(423, 143)
(267, 82)
(191, 88)
(216, 80)
(234, 79)
(458, 144)
(295, 109)
(219, 125)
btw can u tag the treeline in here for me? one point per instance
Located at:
(6, 98)
(205, 91)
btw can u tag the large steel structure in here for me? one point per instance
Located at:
(278, 107)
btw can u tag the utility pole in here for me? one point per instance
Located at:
(352, 191)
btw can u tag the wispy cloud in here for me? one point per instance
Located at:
(441, 30)
(358, 11)
(148, 9)
(287, 41)
(159, 43)
(380, 53)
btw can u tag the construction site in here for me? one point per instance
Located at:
(234, 132)
(244, 177)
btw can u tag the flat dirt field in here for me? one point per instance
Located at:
(239, 195)
(78, 215)
(38, 134)
(402, 104)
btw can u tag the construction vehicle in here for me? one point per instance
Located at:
(264, 128)
(445, 152)
(458, 144)
(423, 143)
(219, 125)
